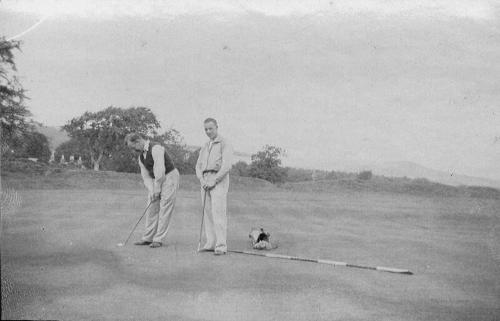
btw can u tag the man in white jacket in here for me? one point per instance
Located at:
(161, 179)
(212, 169)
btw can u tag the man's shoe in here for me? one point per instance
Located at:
(219, 252)
(142, 243)
(155, 245)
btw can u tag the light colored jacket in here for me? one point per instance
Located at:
(217, 157)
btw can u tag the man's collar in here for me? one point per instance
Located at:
(217, 139)
(146, 146)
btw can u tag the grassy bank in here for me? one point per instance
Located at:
(29, 175)
(399, 185)
(24, 175)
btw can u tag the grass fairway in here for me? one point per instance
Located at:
(60, 258)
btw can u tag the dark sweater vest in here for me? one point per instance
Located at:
(148, 162)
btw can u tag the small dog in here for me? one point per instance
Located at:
(261, 240)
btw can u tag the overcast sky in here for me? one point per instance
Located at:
(335, 83)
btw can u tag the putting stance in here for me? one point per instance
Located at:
(212, 169)
(161, 179)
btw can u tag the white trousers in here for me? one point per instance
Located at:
(215, 219)
(160, 212)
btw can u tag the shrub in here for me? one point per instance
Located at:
(240, 169)
(365, 175)
(266, 164)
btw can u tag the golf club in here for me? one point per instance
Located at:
(202, 219)
(147, 207)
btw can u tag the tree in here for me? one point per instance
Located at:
(101, 134)
(183, 158)
(34, 144)
(192, 159)
(266, 164)
(176, 148)
(240, 169)
(122, 160)
(72, 147)
(13, 110)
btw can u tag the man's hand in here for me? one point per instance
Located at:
(210, 183)
(153, 197)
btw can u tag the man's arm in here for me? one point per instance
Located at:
(227, 161)
(148, 181)
(158, 153)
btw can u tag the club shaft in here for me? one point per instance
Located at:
(135, 226)
(202, 218)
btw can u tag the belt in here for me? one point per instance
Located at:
(209, 171)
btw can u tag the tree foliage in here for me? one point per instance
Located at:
(14, 112)
(100, 134)
(121, 160)
(98, 138)
(266, 164)
(173, 142)
(365, 175)
(72, 148)
(190, 163)
(124, 161)
(177, 150)
(240, 168)
(34, 144)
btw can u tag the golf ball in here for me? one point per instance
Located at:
(120, 244)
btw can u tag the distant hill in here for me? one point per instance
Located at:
(413, 170)
(55, 135)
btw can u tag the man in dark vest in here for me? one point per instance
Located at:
(161, 179)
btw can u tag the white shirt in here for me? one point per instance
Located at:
(158, 152)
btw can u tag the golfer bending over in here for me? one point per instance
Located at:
(212, 169)
(161, 179)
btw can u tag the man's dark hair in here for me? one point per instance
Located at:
(133, 137)
(208, 120)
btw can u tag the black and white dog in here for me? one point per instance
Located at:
(260, 240)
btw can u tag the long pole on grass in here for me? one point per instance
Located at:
(330, 262)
